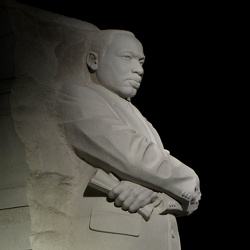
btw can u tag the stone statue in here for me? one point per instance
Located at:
(100, 177)
(146, 186)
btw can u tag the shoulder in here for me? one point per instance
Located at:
(77, 91)
(85, 100)
(81, 94)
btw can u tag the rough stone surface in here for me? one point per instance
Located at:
(34, 43)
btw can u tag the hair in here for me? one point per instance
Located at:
(101, 39)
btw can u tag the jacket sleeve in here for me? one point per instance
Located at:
(99, 137)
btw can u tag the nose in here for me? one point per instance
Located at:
(137, 68)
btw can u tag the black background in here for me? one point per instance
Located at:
(186, 93)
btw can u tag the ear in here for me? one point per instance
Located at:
(92, 61)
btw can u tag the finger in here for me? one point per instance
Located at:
(149, 200)
(132, 197)
(114, 192)
(142, 200)
(121, 198)
(128, 202)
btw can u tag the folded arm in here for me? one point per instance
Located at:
(102, 139)
(136, 198)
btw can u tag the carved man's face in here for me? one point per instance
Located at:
(120, 68)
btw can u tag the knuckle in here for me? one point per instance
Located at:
(114, 192)
(140, 197)
(122, 197)
(154, 194)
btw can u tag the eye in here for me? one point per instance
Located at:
(127, 56)
(141, 62)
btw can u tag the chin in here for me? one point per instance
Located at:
(128, 94)
(133, 93)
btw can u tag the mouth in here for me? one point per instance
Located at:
(134, 83)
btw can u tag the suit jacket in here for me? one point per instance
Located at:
(110, 133)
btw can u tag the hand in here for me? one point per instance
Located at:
(131, 196)
(197, 192)
(196, 197)
(194, 203)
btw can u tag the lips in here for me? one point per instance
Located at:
(135, 83)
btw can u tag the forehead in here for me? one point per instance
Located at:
(126, 42)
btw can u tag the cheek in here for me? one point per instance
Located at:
(117, 74)
(121, 67)
(114, 73)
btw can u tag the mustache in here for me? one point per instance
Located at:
(138, 79)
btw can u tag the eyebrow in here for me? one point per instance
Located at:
(131, 52)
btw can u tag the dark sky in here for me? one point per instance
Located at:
(184, 93)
